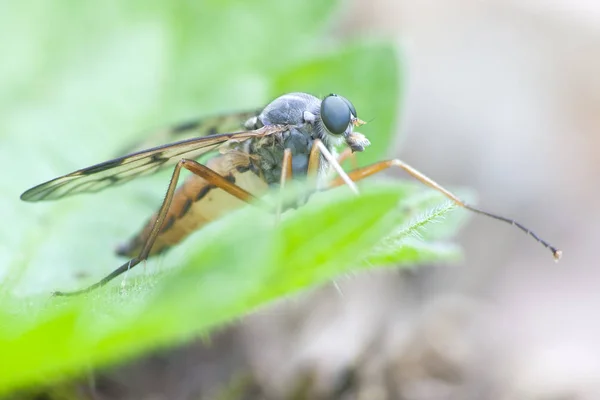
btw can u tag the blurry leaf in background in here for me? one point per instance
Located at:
(86, 78)
(367, 74)
(79, 80)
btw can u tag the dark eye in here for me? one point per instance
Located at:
(335, 114)
(350, 106)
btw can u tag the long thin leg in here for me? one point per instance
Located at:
(198, 169)
(318, 149)
(348, 154)
(314, 160)
(364, 172)
(286, 175)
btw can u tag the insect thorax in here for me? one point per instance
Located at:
(288, 109)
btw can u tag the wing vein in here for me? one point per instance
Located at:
(123, 169)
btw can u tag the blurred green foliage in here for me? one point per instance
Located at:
(79, 79)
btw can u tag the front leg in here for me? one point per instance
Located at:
(314, 161)
(364, 172)
(286, 175)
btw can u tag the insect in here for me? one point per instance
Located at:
(292, 137)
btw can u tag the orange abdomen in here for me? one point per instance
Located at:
(197, 202)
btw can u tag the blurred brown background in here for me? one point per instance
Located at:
(503, 97)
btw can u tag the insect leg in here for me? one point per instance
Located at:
(286, 175)
(198, 169)
(348, 154)
(318, 148)
(314, 160)
(367, 171)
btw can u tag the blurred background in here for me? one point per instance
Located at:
(502, 96)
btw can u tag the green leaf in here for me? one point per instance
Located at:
(106, 72)
(412, 252)
(406, 244)
(231, 267)
(78, 80)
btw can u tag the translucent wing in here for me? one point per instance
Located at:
(204, 126)
(146, 162)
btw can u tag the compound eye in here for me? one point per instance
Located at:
(335, 114)
(350, 106)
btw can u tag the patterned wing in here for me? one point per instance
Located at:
(146, 162)
(205, 126)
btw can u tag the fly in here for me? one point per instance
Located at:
(292, 137)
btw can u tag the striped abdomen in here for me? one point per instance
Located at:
(196, 202)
